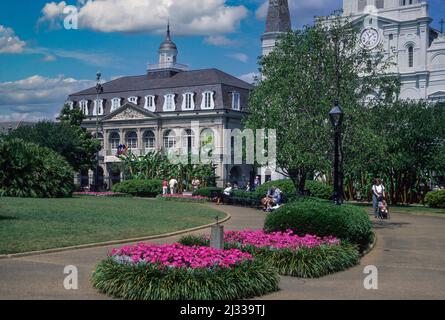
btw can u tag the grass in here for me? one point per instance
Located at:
(38, 224)
(407, 209)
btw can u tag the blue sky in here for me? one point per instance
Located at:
(41, 62)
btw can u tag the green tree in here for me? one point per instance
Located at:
(72, 116)
(74, 143)
(308, 72)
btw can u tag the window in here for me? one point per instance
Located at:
(115, 141)
(188, 140)
(149, 141)
(70, 104)
(236, 101)
(379, 4)
(207, 142)
(169, 102)
(188, 101)
(362, 5)
(134, 100)
(410, 56)
(169, 139)
(150, 103)
(207, 100)
(115, 104)
(84, 107)
(99, 109)
(132, 140)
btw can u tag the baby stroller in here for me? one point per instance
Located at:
(383, 209)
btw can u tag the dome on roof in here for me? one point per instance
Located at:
(168, 44)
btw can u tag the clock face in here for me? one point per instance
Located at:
(370, 38)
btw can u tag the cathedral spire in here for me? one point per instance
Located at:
(278, 22)
(278, 17)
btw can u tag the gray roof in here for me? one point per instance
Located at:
(193, 78)
(278, 17)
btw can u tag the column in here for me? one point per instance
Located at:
(140, 142)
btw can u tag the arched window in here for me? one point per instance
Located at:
(236, 101)
(169, 102)
(84, 107)
(115, 104)
(149, 141)
(208, 101)
(207, 142)
(98, 107)
(133, 100)
(169, 139)
(188, 139)
(132, 140)
(188, 101)
(411, 56)
(150, 103)
(114, 141)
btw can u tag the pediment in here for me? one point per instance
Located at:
(380, 19)
(438, 94)
(130, 111)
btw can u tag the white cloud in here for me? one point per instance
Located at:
(304, 11)
(239, 56)
(198, 17)
(37, 97)
(9, 42)
(220, 41)
(249, 77)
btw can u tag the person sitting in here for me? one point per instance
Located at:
(268, 200)
(226, 194)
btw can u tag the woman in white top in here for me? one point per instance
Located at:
(378, 193)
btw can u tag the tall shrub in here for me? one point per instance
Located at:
(27, 170)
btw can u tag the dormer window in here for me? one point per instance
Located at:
(150, 103)
(98, 107)
(188, 101)
(169, 102)
(84, 107)
(115, 104)
(70, 104)
(134, 100)
(208, 100)
(236, 101)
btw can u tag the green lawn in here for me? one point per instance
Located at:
(415, 209)
(37, 224)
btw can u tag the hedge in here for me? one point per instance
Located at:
(317, 189)
(435, 199)
(27, 170)
(150, 282)
(207, 192)
(139, 188)
(322, 218)
(303, 263)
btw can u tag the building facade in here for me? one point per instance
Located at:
(403, 29)
(163, 110)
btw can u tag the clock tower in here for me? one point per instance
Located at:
(278, 22)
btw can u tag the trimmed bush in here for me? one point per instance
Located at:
(179, 198)
(324, 219)
(207, 192)
(139, 188)
(27, 170)
(435, 199)
(317, 189)
(147, 281)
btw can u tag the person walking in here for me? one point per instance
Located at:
(256, 183)
(173, 183)
(378, 194)
(164, 187)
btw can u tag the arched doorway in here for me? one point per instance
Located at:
(100, 178)
(84, 179)
(115, 176)
(235, 175)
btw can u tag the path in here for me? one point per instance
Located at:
(409, 256)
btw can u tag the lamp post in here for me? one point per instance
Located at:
(336, 115)
(99, 90)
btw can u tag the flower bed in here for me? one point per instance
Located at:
(183, 198)
(100, 194)
(178, 272)
(305, 257)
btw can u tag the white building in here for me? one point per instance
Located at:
(403, 29)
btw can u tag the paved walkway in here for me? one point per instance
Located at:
(409, 255)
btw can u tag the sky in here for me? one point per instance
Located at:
(42, 62)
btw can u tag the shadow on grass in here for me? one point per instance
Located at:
(7, 218)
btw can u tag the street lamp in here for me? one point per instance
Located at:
(336, 115)
(99, 90)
